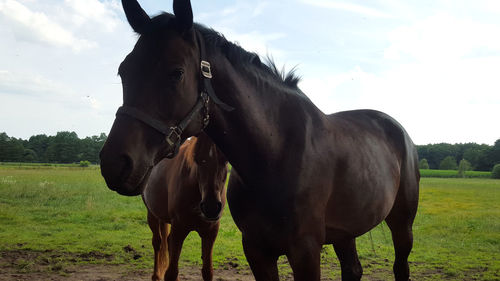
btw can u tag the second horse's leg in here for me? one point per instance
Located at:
(175, 241)
(160, 246)
(207, 244)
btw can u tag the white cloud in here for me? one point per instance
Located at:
(434, 102)
(439, 78)
(442, 37)
(255, 41)
(348, 7)
(260, 8)
(93, 102)
(94, 11)
(37, 26)
(27, 84)
(36, 86)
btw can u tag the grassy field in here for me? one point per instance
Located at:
(67, 216)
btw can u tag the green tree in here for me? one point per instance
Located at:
(64, 148)
(434, 153)
(39, 145)
(448, 163)
(495, 153)
(91, 146)
(495, 172)
(11, 149)
(423, 164)
(463, 166)
(29, 155)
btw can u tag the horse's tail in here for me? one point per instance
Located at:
(410, 175)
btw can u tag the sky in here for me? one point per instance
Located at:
(434, 65)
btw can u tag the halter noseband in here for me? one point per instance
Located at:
(173, 134)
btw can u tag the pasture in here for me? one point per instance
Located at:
(53, 219)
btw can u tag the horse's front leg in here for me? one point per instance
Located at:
(263, 264)
(207, 244)
(160, 233)
(304, 258)
(175, 241)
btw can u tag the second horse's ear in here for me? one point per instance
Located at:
(183, 14)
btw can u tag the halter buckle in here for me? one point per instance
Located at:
(174, 136)
(205, 69)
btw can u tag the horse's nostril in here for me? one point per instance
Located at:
(211, 211)
(203, 207)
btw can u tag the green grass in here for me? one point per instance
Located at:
(21, 165)
(428, 173)
(67, 215)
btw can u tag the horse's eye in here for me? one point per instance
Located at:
(176, 75)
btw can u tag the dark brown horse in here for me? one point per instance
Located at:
(303, 178)
(185, 194)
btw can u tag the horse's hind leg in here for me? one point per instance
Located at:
(160, 234)
(349, 262)
(400, 221)
(402, 238)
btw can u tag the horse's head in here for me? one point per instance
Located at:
(211, 175)
(163, 98)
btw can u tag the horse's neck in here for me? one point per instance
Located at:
(266, 122)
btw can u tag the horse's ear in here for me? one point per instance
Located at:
(137, 18)
(183, 14)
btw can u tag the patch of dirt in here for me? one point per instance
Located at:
(22, 265)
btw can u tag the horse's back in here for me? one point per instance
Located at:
(373, 156)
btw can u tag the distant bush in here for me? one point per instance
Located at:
(448, 163)
(84, 163)
(495, 173)
(463, 166)
(423, 164)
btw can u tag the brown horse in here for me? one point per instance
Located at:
(303, 178)
(185, 194)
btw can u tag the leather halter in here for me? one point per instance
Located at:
(173, 134)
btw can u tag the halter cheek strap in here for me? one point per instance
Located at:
(206, 75)
(173, 134)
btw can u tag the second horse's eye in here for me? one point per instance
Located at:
(176, 75)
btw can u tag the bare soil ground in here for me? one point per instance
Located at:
(21, 265)
(27, 265)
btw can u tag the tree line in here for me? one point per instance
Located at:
(64, 147)
(445, 156)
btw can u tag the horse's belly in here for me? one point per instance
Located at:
(157, 205)
(354, 213)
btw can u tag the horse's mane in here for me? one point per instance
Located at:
(236, 54)
(187, 151)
